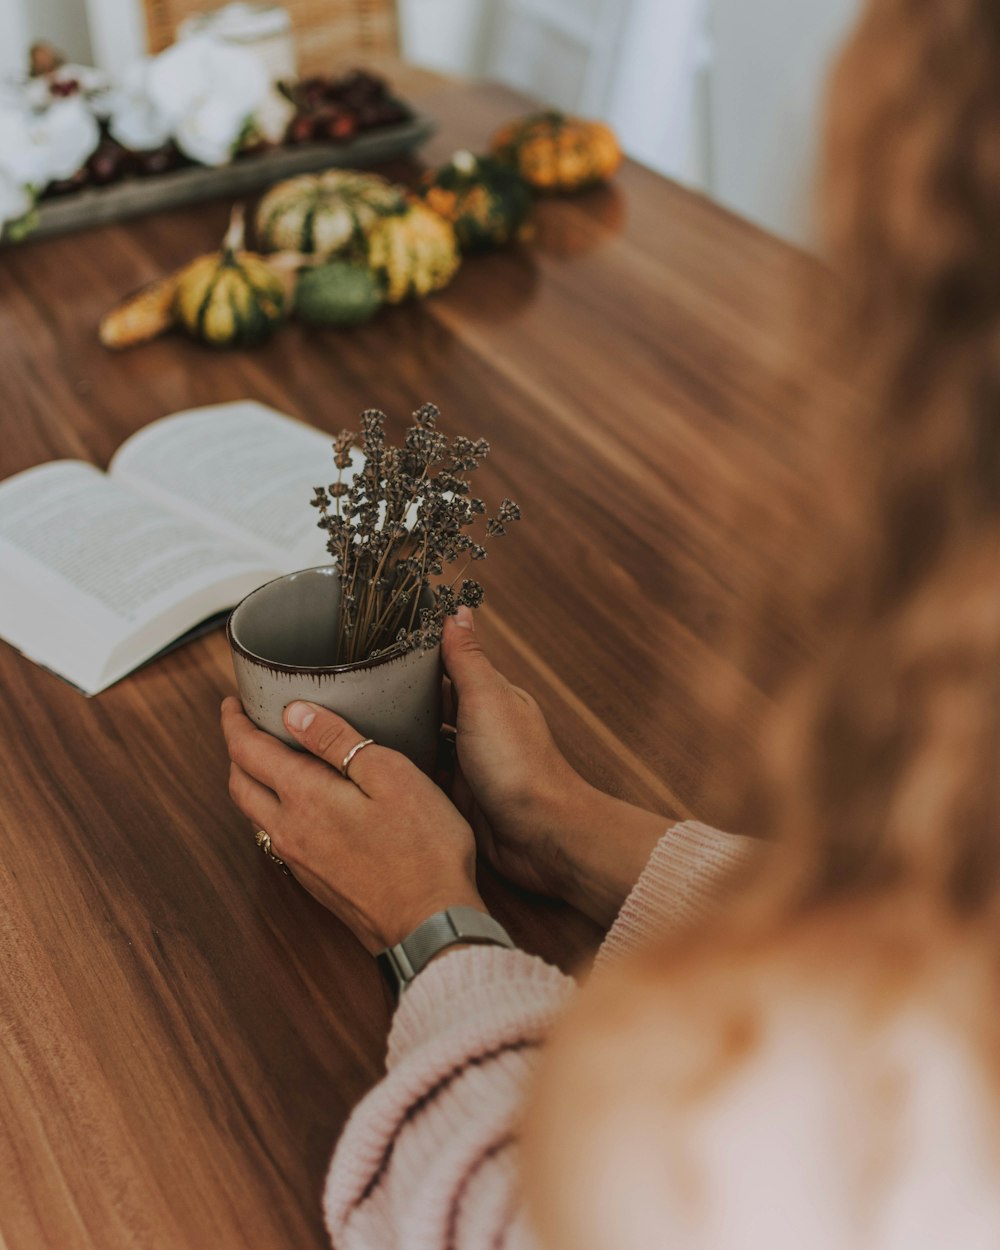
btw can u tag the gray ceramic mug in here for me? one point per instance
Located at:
(281, 637)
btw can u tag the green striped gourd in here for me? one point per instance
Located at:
(485, 200)
(230, 298)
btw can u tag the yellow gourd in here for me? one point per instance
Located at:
(142, 316)
(414, 252)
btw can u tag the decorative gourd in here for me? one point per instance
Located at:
(230, 298)
(142, 316)
(325, 214)
(337, 294)
(554, 152)
(414, 253)
(485, 200)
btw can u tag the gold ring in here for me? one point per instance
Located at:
(263, 840)
(358, 746)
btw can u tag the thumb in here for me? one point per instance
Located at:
(323, 733)
(464, 659)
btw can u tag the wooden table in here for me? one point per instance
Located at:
(183, 1029)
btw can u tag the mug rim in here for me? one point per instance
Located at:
(393, 653)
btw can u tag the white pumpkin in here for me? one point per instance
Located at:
(325, 214)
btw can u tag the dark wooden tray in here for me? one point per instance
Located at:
(96, 206)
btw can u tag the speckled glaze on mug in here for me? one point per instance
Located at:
(281, 637)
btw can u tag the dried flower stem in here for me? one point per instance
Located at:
(392, 528)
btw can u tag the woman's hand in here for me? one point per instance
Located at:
(383, 850)
(535, 818)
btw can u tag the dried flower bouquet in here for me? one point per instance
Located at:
(394, 526)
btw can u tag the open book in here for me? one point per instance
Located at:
(101, 571)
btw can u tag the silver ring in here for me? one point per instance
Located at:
(358, 746)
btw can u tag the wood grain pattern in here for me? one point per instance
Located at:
(182, 1030)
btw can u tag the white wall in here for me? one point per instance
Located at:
(61, 22)
(770, 61)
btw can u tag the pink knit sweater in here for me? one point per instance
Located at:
(853, 1122)
(428, 1159)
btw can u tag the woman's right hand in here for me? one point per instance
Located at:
(538, 822)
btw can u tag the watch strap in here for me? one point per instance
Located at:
(401, 963)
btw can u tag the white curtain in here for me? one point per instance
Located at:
(13, 38)
(655, 95)
(445, 35)
(639, 64)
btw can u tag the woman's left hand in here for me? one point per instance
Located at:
(383, 850)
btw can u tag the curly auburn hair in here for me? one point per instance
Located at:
(878, 774)
(881, 764)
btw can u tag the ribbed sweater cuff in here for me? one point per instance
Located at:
(687, 874)
(482, 994)
(469, 1005)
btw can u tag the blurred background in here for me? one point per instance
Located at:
(722, 94)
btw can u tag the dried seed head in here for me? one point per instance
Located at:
(472, 594)
(342, 445)
(430, 637)
(427, 415)
(446, 601)
(509, 511)
(372, 432)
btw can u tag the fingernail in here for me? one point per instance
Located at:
(300, 715)
(463, 617)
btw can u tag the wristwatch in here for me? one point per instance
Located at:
(401, 963)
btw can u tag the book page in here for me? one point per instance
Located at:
(87, 566)
(242, 468)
